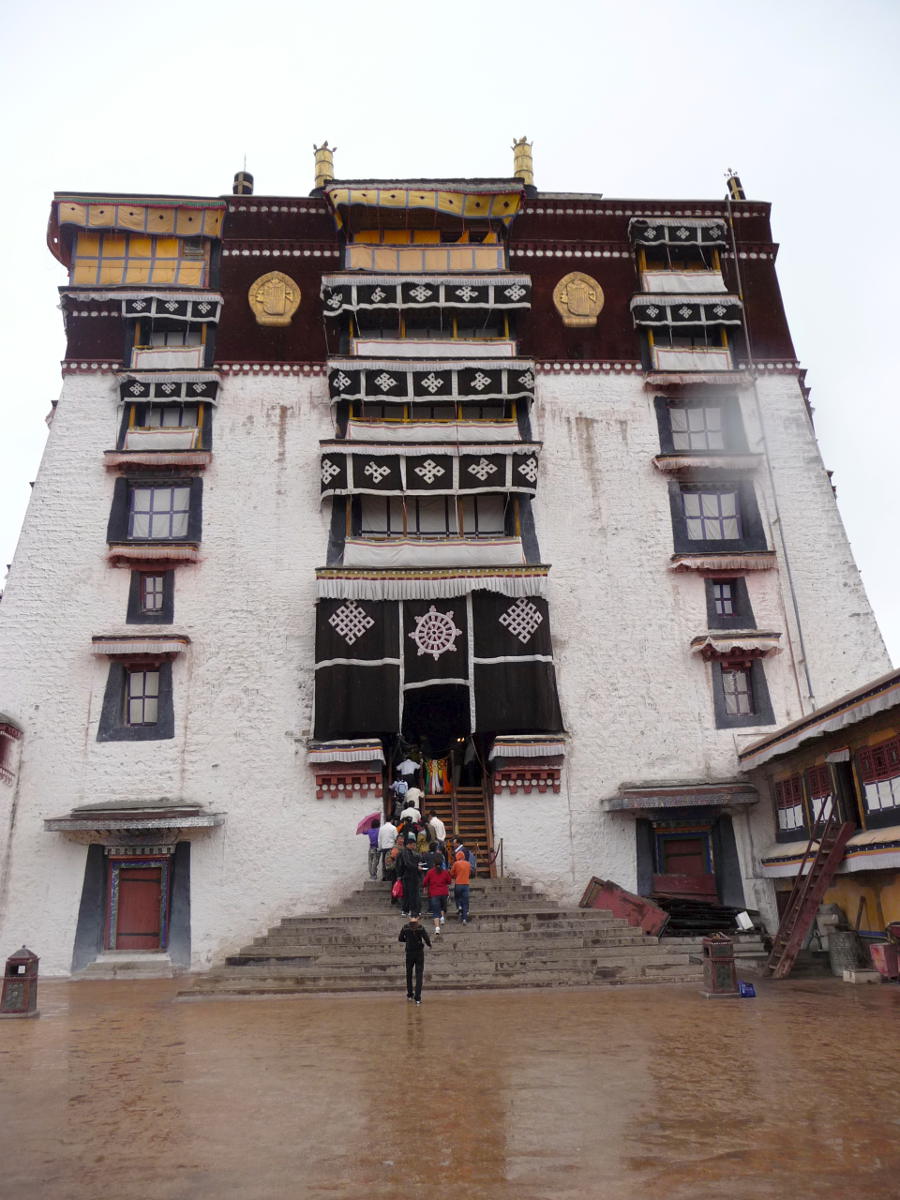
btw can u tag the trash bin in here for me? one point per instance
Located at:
(719, 977)
(20, 981)
(885, 959)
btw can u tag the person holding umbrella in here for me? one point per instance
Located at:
(369, 826)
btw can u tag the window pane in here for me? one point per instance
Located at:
(374, 514)
(152, 593)
(691, 504)
(738, 696)
(432, 515)
(490, 515)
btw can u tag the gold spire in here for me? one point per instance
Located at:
(324, 163)
(523, 163)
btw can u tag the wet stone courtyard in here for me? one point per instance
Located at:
(653, 1092)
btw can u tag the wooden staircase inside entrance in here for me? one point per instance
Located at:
(466, 813)
(815, 873)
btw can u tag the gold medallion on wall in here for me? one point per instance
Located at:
(578, 299)
(274, 298)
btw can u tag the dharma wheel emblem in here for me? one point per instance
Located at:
(274, 298)
(578, 299)
(435, 633)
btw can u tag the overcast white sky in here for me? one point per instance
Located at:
(639, 100)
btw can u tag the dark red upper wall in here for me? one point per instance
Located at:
(298, 236)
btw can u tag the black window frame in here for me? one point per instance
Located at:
(734, 435)
(136, 614)
(140, 410)
(117, 528)
(762, 705)
(741, 616)
(113, 726)
(753, 536)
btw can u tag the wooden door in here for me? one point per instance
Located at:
(138, 916)
(685, 856)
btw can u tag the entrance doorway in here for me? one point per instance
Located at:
(684, 864)
(137, 904)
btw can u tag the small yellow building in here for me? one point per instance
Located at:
(844, 757)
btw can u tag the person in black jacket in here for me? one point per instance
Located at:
(409, 874)
(415, 937)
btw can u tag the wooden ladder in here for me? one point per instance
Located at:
(807, 892)
(466, 812)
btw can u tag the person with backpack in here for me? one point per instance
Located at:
(416, 937)
(461, 873)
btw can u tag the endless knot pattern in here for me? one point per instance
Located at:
(522, 619)
(720, 311)
(135, 389)
(430, 470)
(171, 305)
(168, 388)
(652, 311)
(529, 469)
(432, 382)
(466, 293)
(204, 307)
(385, 381)
(435, 633)
(527, 380)
(139, 304)
(684, 311)
(378, 295)
(516, 292)
(481, 470)
(329, 470)
(481, 381)
(342, 380)
(420, 292)
(682, 233)
(350, 621)
(650, 232)
(198, 387)
(334, 300)
(376, 474)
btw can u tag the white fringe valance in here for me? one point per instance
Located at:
(115, 647)
(145, 294)
(417, 449)
(721, 645)
(425, 587)
(364, 750)
(763, 561)
(527, 747)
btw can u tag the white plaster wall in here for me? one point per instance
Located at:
(637, 704)
(242, 690)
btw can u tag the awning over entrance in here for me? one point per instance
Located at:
(652, 798)
(127, 815)
(483, 662)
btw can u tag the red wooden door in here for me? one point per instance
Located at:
(685, 856)
(139, 909)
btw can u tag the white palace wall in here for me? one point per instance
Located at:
(636, 702)
(242, 690)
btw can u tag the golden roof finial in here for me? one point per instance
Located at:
(324, 163)
(523, 163)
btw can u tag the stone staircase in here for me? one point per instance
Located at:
(515, 938)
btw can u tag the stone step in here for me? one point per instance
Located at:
(487, 943)
(461, 959)
(242, 986)
(515, 938)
